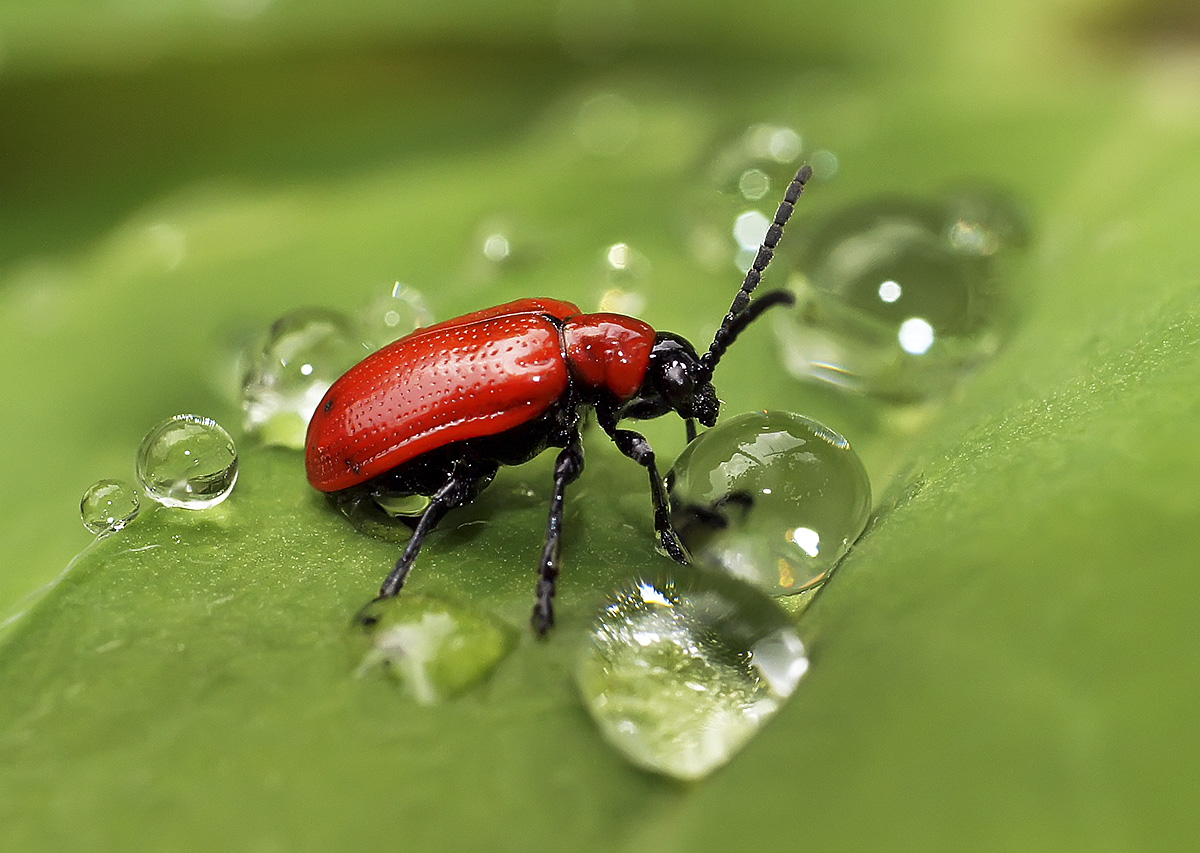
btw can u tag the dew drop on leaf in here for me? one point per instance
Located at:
(900, 299)
(108, 505)
(773, 498)
(681, 670)
(304, 353)
(434, 648)
(188, 461)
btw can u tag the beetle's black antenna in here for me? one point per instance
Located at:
(731, 326)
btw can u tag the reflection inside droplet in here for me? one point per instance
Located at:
(916, 336)
(807, 539)
(889, 291)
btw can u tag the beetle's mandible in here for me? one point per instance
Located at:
(439, 411)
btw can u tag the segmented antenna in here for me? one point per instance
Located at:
(730, 327)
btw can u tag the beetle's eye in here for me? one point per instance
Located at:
(678, 377)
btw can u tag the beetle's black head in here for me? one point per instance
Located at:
(676, 381)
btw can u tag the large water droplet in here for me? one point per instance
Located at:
(899, 299)
(108, 505)
(188, 461)
(681, 670)
(771, 497)
(305, 352)
(435, 648)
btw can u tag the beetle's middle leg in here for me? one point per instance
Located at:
(567, 469)
(635, 446)
(467, 479)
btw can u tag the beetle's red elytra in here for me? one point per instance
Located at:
(438, 412)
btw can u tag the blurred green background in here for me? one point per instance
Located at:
(1006, 661)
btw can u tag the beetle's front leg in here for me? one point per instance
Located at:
(635, 446)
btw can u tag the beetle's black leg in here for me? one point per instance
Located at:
(690, 426)
(467, 479)
(566, 470)
(635, 446)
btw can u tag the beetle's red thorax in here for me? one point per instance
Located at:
(608, 351)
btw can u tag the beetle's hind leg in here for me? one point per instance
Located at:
(567, 469)
(467, 479)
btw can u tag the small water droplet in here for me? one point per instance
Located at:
(108, 505)
(435, 648)
(770, 497)
(188, 461)
(496, 247)
(899, 299)
(824, 164)
(682, 669)
(401, 311)
(754, 184)
(304, 353)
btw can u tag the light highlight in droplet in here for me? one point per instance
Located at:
(915, 336)
(889, 291)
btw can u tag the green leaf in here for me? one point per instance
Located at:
(1005, 660)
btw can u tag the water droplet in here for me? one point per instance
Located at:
(899, 299)
(770, 497)
(435, 648)
(401, 311)
(754, 184)
(108, 505)
(617, 300)
(751, 167)
(304, 353)
(188, 461)
(496, 247)
(681, 670)
(824, 164)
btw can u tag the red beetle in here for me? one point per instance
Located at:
(439, 411)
